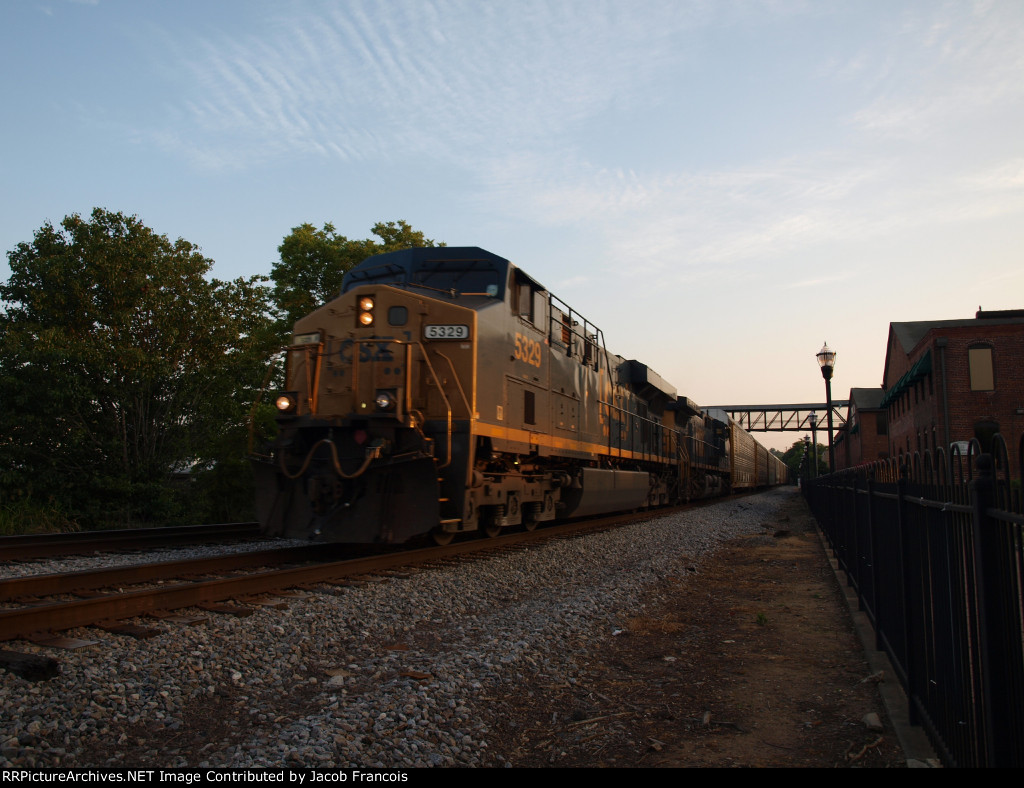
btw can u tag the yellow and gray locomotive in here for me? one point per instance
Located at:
(444, 391)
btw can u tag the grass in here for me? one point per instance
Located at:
(26, 516)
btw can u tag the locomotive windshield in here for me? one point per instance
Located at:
(470, 277)
(468, 271)
(378, 274)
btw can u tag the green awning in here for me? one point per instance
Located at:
(922, 367)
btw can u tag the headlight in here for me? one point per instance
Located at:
(385, 400)
(287, 402)
(366, 305)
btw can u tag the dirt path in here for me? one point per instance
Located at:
(751, 660)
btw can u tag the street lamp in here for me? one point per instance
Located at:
(813, 456)
(827, 362)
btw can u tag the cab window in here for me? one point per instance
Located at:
(527, 301)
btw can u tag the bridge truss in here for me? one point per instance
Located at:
(785, 418)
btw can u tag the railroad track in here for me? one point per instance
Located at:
(16, 548)
(107, 599)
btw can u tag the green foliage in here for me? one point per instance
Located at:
(313, 263)
(123, 365)
(128, 375)
(22, 515)
(794, 458)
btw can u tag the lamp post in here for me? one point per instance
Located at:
(812, 458)
(827, 362)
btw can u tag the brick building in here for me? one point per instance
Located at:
(954, 380)
(866, 436)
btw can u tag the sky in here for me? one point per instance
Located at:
(720, 185)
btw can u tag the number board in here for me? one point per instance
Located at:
(446, 332)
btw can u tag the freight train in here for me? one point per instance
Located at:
(446, 391)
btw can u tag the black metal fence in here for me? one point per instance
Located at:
(934, 546)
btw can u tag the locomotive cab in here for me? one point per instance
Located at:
(378, 397)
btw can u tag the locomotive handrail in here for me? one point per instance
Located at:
(356, 364)
(313, 382)
(312, 377)
(634, 419)
(256, 404)
(458, 382)
(447, 404)
(591, 335)
(465, 401)
(433, 377)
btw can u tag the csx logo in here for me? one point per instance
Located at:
(368, 351)
(528, 350)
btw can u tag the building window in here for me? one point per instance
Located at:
(979, 361)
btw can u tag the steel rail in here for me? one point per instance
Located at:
(37, 620)
(41, 545)
(90, 579)
(29, 622)
(41, 619)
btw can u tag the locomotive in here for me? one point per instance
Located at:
(446, 391)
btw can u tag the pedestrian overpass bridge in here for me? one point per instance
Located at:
(785, 418)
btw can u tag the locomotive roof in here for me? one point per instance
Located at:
(645, 381)
(455, 269)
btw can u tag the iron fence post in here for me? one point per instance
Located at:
(875, 577)
(907, 615)
(998, 743)
(853, 515)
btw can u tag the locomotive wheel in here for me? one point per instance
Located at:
(489, 521)
(530, 523)
(442, 538)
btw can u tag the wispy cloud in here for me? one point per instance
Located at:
(446, 79)
(509, 96)
(944, 65)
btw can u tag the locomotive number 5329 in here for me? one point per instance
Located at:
(446, 332)
(528, 350)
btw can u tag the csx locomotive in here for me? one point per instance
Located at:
(445, 390)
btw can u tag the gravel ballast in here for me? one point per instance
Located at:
(400, 673)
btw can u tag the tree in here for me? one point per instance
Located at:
(314, 262)
(794, 458)
(122, 367)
